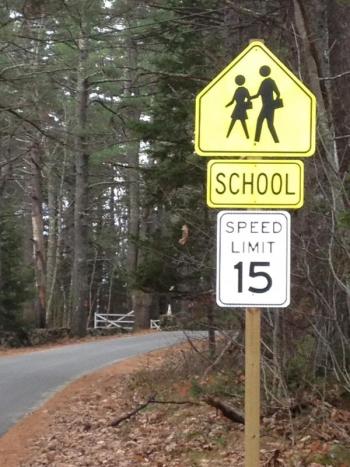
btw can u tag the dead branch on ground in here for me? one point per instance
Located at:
(225, 409)
(150, 400)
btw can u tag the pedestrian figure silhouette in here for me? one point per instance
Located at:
(267, 91)
(242, 99)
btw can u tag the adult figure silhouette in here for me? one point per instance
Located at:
(267, 91)
(242, 99)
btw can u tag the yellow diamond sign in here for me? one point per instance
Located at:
(255, 106)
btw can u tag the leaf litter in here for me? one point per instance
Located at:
(180, 435)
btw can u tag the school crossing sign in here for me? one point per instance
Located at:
(255, 106)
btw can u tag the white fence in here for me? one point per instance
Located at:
(121, 321)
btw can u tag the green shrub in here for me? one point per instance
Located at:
(300, 367)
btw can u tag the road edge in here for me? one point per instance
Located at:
(15, 444)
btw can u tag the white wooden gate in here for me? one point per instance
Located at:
(110, 320)
(121, 321)
(155, 324)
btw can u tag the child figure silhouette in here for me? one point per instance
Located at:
(242, 99)
(267, 91)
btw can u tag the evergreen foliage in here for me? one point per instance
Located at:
(15, 277)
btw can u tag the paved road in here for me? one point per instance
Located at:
(27, 380)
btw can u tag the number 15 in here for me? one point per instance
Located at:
(254, 273)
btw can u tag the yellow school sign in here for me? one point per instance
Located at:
(255, 106)
(253, 184)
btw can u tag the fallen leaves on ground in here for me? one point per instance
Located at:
(178, 435)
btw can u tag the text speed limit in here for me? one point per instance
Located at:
(253, 259)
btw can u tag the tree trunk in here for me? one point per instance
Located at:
(133, 182)
(141, 302)
(52, 195)
(29, 312)
(38, 234)
(80, 286)
(317, 65)
(133, 161)
(34, 26)
(312, 21)
(211, 330)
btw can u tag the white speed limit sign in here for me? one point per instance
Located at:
(253, 259)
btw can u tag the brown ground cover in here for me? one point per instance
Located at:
(74, 428)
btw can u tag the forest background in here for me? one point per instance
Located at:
(102, 198)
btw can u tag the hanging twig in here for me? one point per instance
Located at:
(212, 365)
(201, 354)
(340, 75)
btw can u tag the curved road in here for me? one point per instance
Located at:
(27, 380)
